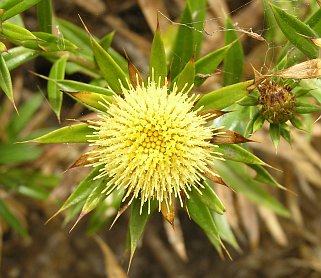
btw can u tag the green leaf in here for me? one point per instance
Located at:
(262, 175)
(234, 59)
(106, 41)
(93, 101)
(95, 197)
(224, 97)
(110, 70)
(137, 222)
(68, 134)
(274, 132)
(5, 79)
(236, 176)
(44, 15)
(202, 216)
(206, 65)
(157, 60)
(54, 94)
(183, 46)
(50, 43)
(306, 108)
(225, 230)
(76, 35)
(239, 154)
(185, 79)
(76, 86)
(285, 133)
(198, 12)
(18, 56)
(82, 191)
(26, 111)
(10, 218)
(210, 199)
(296, 123)
(16, 7)
(293, 29)
(249, 100)
(258, 123)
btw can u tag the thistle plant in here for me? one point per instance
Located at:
(157, 144)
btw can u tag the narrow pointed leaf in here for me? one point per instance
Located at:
(292, 28)
(202, 216)
(262, 175)
(68, 134)
(82, 191)
(225, 230)
(306, 108)
(16, 7)
(185, 79)
(75, 86)
(274, 132)
(106, 41)
(44, 15)
(137, 223)
(183, 46)
(110, 70)
(5, 79)
(198, 12)
(210, 199)
(285, 133)
(237, 177)
(55, 96)
(239, 154)
(234, 59)
(157, 60)
(95, 197)
(18, 56)
(224, 97)
(95, 102)
(207, 65)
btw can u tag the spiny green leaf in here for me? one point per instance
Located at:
(262, 175)
(76, 86)
(306, 108)
(110, 70)
(285, 133)
(5, 79)
(18, 56)
(296, 123)
(14, 7)
(137, 222)
(239, 154)
(202, 216)
(82, 191)
(106, 41)
(198, 12)
(210, 199)
(236, 176)
(54, 94)
(68, 134)
(293, 29)
(44, 15)
(224, 97)
(274, 132)
(94, 101)
(183, 46)
(206, 65)
(234, 59)
(225, 230)
(185, 79)
(157, 60)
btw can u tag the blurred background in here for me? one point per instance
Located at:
(34, 182)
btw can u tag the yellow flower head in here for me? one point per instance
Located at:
(152, 144)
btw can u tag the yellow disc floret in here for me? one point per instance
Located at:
(152, 144)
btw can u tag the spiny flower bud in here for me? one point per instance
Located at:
(277, 102)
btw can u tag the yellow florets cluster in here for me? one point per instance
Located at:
(152, 144)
